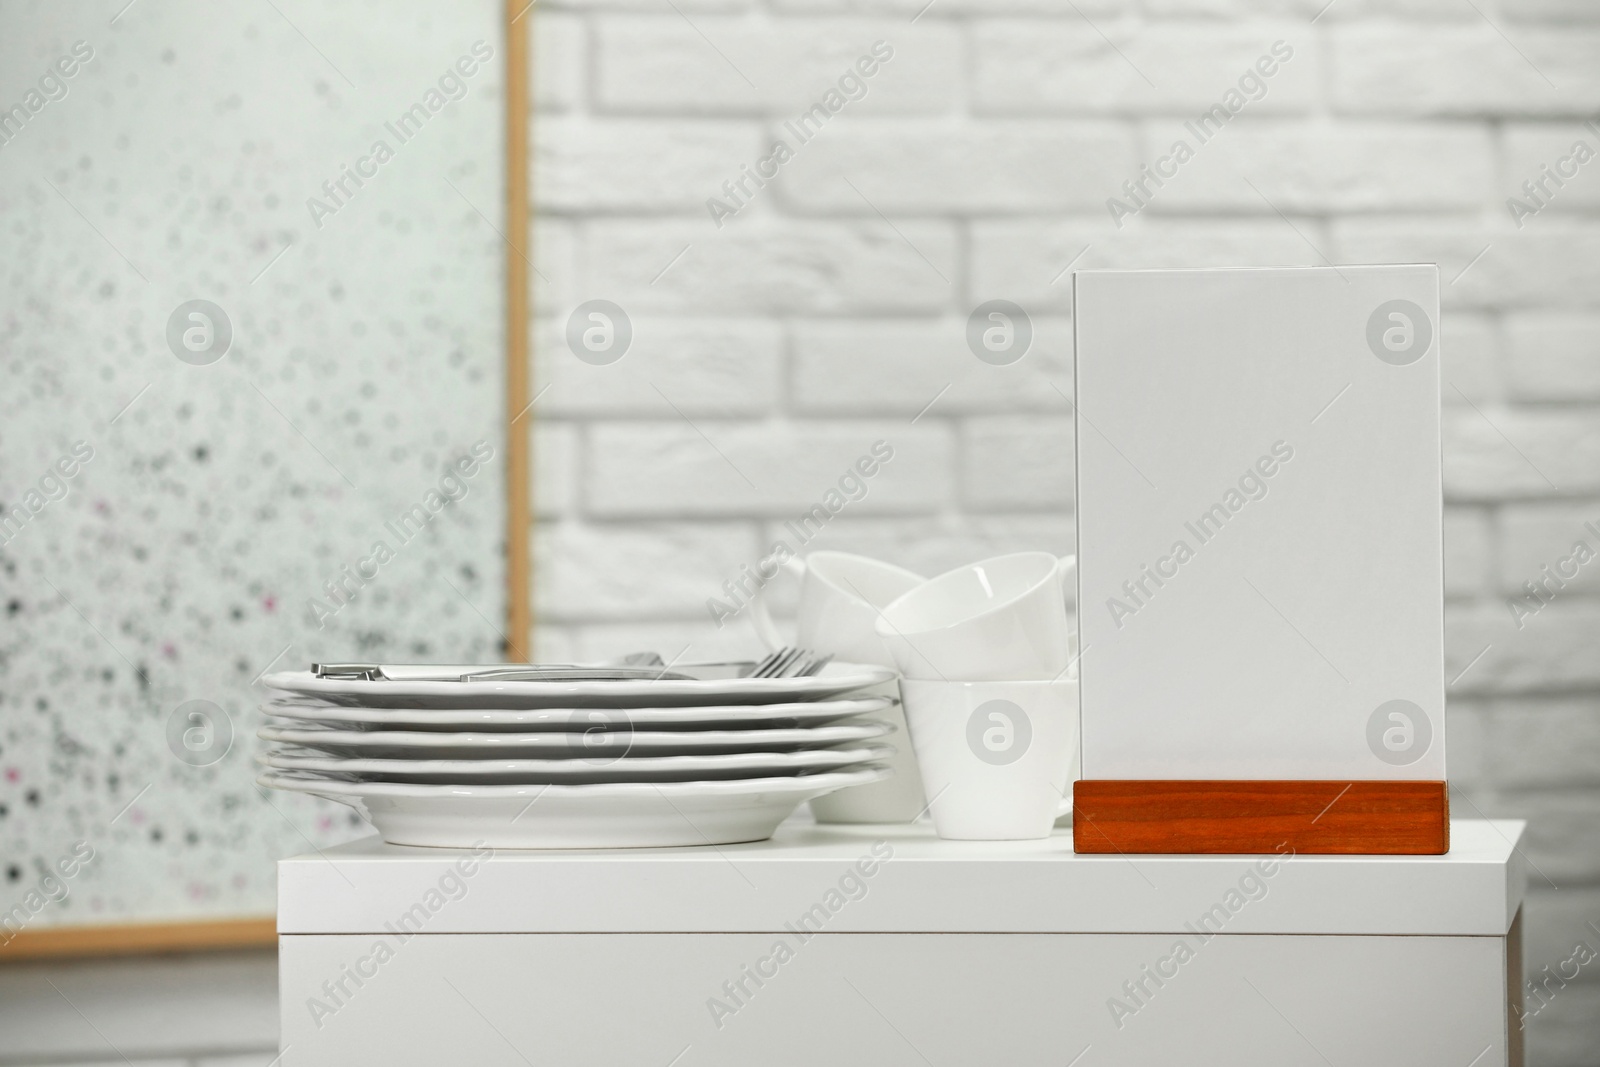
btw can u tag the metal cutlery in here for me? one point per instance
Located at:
(788, 662)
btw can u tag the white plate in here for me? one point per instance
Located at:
(591, 770)
(558, 744)
(621, 815)
(835, 678)
(588, 720)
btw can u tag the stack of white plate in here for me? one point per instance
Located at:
(433, 759)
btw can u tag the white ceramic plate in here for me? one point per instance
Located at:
(587, 771)
(560, 744)
(588, 720)
(621, 815)
(835, 678)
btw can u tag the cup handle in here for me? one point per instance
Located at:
(1067, 567)
(761, 617)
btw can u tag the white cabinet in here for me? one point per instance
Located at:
(884, 946)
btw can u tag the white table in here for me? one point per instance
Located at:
(898, 948)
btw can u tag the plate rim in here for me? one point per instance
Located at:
(838, 677)
(869, 754)
(687, 713)
(431, 739)
(332, 789)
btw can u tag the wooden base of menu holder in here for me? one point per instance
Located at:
(1398, 818)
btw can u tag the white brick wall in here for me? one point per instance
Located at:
(1553, 355)
(829, 312)
(1140, 66)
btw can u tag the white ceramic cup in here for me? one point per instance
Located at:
(841, 595)
(996, 757)
(1001, 619)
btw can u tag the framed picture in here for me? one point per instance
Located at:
(292, 426)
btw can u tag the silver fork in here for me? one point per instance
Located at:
(774, 664)
(789, 662)
(815, 666)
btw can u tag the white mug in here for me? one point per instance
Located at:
(841, 595)
(996, 757)
(1001, 619)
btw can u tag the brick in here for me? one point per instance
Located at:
(1469, 351)
(1026, 261)
(1536, 267)
(553, 277)
(917, 165)
(1562, 841)
(755, 265)
(555, 468)
(555, 642)
(1326, 14)
(1017, 462)
(1566, 1033)
(1468, 552)
(1486, 653)
(603, 571)
(1538, 536)
(691, 639)
(1359, 10)
(721, 6)
(1545, 742)
(559, 46)
(941, 9)
(1466, 735)
(1137, 67)
(1553, 356)
(781, 67)
(931, 545)
(1232, 9)
(1553, 923)
(1498, 452)
(782, 593)
(1549, 11)
(1344, 167)
(655, 164)
(904, 365)
(1466, 70)
(1541, 155)
(700, 366)
(677, 469)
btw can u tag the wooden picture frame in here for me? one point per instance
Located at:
(261, 931)
(519, 394)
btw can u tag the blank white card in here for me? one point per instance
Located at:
(1260, 560)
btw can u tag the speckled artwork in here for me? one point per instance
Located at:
(251, 316)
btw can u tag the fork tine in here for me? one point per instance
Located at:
(776, 668)
(770, 667)
(780, 668)
(799, 657)
(759, 670)
(796, 662)
(815, 666)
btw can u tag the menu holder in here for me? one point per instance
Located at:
(1260, 561)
